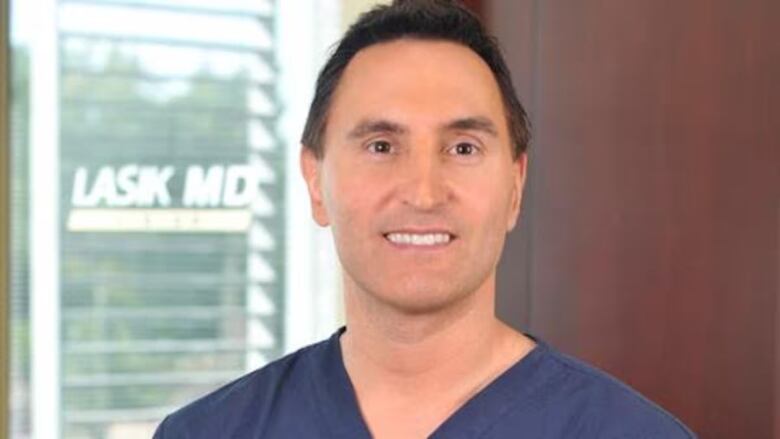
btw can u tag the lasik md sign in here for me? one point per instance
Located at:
(132, 185)
(193, 199)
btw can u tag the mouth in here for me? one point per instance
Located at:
(431, 239)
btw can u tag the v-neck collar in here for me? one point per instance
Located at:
(337, 400)
(334, 395)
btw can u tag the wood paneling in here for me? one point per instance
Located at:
(517, 19)
(651, 222)
(475, 5)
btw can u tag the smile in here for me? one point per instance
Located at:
(419, 239)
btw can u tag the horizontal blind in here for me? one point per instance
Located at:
(159, 311)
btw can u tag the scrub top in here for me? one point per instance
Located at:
(308, 394)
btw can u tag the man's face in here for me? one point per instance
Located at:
(417, 180)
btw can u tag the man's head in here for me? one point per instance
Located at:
(444, 20)
(416, 166)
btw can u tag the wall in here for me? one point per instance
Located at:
(649, 241)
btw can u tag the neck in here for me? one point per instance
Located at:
(386, 347)
(397, 360)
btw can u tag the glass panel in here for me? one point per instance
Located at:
(155, 218)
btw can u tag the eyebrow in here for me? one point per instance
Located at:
(475, 123)
(373, 126)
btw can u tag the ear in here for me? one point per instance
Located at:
(520, 171)
(311, 168)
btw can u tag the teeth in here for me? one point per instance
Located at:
(418, 238)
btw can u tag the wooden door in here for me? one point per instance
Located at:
(649, 240)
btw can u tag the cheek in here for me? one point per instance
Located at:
(348, 203)
(488, 199)
(494, 210)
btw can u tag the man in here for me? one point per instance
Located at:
(415, 155)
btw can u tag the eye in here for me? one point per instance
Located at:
(380, 147)
(464, 148)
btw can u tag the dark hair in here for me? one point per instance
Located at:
(422, 19)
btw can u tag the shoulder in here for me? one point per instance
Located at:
(259, 392)
(605, 407)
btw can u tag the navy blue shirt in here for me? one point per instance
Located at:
(308, 394)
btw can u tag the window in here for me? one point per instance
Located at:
(161, 239)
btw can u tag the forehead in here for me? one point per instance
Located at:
(415, 81)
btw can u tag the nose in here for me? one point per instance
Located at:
(425, 188)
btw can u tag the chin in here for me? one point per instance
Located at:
(415, 298)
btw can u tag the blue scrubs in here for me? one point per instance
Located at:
(308, 395)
